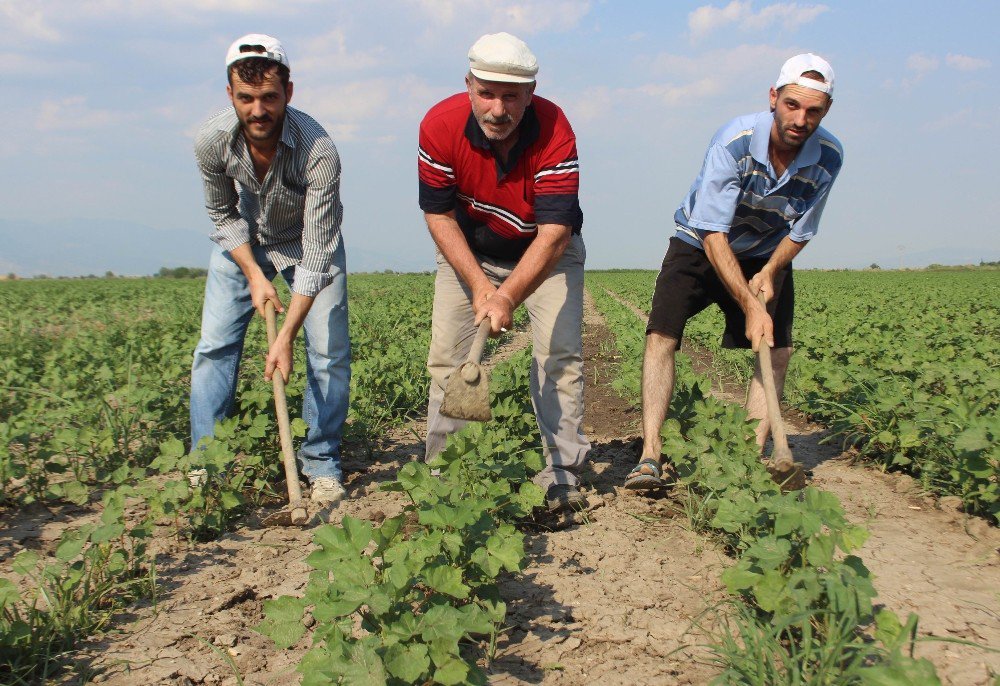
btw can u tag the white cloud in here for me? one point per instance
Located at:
(525, 18)
(534, 17)
(922, 64)
(329, 53)
(53, 21)
(24, 20)
(790, 16)
(728, 62)
(368, 109)
(671, 94)
(965, 63)
(73, 114)
(962, 120)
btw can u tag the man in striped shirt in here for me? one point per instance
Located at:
(499, 178)
(272, 188)
(754, 206)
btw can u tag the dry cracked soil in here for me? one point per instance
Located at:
(622, 593)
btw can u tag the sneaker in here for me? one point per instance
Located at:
(197, 477)
(327, 490)
(561, 497)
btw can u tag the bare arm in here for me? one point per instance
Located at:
(783, 255)
(451, 242)
(533, 268)
(758, 322)
(279, 355)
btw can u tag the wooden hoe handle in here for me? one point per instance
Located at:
(281, 409)
(771, 395)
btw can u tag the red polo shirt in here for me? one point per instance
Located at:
(499, 206)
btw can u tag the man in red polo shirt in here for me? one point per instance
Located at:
(499, 178)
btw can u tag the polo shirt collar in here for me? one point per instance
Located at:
(808, 154)
(527, 133)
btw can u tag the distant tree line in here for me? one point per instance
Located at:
(181, 272)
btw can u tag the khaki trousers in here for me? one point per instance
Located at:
(555, 311)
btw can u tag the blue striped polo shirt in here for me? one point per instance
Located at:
(737, 191)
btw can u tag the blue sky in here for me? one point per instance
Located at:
(104, 97)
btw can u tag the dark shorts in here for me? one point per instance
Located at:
(688, 283)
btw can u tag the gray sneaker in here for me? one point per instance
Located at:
(326, 490)
(197, 477)
(562, 497)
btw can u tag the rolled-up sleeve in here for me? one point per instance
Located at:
(221, 196)
(322, 218)
(717, 192)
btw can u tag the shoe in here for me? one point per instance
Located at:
(327, 490)
(197, 477)
(561, 497)
(650, 475)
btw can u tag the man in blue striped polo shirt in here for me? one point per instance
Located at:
(751, 210)
(272, 188)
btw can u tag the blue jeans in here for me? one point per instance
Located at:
(226, 315)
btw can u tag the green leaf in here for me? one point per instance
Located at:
(453, 671)
(108, 532)
(508, 550)
(365, 667)
(25, 562)
(902, 671)
(737, 579)
(852, 538)
(819, 552)
(8, 593)
(409, 663)
(283, 621)
(888, 628)
(973, 439)
(448, 580)
(770, 591)
(70, 546)
(346, 541)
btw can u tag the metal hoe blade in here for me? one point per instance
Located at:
(467, 395)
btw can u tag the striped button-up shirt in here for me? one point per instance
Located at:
(294, 213)
(738, 193)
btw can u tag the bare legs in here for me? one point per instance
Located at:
(756, 403)
(657, 389)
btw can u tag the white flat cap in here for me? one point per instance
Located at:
(502, 57)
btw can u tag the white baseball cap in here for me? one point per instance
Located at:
(795, 67)
(272, 49)
(502, 57)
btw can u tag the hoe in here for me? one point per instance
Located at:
(295, 514)
(467, 395)
(782, 466)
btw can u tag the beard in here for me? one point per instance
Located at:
(503, 126)
(262, 128)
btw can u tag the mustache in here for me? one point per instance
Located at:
(259, 120)
(502, 119)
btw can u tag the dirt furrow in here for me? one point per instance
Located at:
(926, 556)
(616, 598)
(211, 595)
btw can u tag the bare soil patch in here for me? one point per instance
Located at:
(927, 557)
(613, 594)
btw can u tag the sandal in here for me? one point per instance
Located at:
(649, 474)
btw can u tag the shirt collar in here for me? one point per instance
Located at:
(235, 129)
(808, 154)
(527, 133)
